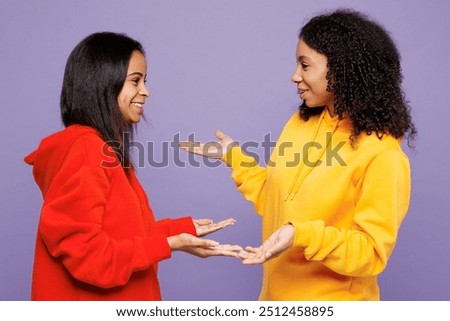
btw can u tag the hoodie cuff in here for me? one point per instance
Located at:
(157, 248)
(235, 157)
(306, 235)
(30, 158)
(172, 227)
(184, 225)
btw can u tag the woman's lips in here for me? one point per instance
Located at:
(302, 93)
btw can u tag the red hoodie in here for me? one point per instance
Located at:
(97, 237)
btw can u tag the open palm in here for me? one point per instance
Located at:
(277, 243)
(211, 149)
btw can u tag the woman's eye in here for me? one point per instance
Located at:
(304, 66)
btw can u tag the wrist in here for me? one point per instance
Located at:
(172, 241)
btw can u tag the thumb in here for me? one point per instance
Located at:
(220, 134)
(205, 243)
(203, 221)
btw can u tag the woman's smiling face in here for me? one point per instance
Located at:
(310, 77)
(132, 96)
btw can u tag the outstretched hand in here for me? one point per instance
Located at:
(201, 247)
(206, 226)
(277, 243)
(211, 149)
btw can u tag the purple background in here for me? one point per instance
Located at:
(218, 64)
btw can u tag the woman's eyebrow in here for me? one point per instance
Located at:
(135, 73)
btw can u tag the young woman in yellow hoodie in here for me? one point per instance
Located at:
(337, 185)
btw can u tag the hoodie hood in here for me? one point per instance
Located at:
(48, 158)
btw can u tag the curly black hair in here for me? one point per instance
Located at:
(364, 74)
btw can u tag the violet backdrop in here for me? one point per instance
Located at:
(218, 64)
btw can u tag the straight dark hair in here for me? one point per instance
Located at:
(94, 76)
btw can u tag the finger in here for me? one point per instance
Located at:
(230, 254)
(225, 252)
(244, 254)
(220, 135)
(207, 229)
(188, 144)
(204, 243)
(223, 223)
(253, 250)
(230, 250)
(212, 150)
(196, 150)
(220, 224)
(253, 260)
(216, 251)
(203, 221)
(192, 147)
(274, 249)
(229, 221)
(228, 247)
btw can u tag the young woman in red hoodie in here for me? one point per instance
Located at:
(97, 237)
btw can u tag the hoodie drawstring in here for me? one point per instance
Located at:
(297, 181)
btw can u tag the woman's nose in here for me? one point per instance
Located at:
(296, 76)
(144, 91)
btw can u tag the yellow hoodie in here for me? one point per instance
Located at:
(346, 204)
